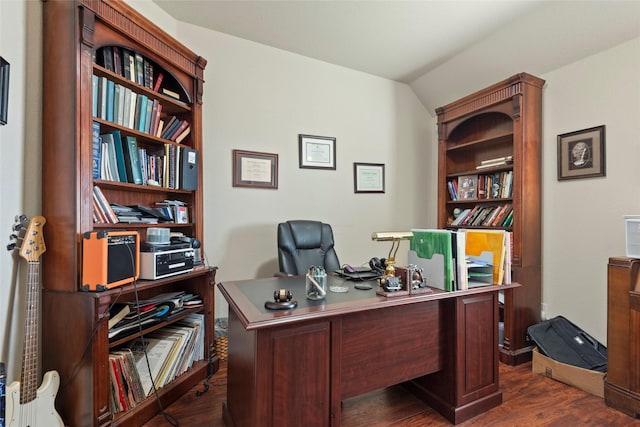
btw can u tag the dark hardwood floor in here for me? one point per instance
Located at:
(528, 400)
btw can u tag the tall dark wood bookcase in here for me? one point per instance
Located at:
(499, 121)
(75, 331)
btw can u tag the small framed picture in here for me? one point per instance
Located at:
(253, 169)
(368, 177)
(581, 154)
(4, 90)
(317, 152)
(468, 187)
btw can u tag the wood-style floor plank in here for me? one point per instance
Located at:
(528, 400)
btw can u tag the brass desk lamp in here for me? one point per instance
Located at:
(394, 237)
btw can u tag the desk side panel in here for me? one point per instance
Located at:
(241, 374)
(389, 346)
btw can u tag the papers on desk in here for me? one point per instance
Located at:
(461, 259)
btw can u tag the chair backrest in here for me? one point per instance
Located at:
(302, 244)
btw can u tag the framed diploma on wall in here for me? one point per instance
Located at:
(254, 169)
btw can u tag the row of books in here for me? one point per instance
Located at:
(118, 104)
(117, 157)
(130, 65)
(135, 67)
(461, 259)
(488, 216)
(498, 185)
(152, 361)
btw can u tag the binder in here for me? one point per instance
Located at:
(432, 250)
(189, 169)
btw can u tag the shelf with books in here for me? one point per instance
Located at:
(77, 34)
(492, 139)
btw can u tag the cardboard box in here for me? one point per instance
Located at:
(584, 379)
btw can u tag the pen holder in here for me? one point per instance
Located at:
(316, 283)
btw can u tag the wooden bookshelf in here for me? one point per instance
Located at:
(75, 329)
(501, 120)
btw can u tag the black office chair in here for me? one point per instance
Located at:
(302, 244)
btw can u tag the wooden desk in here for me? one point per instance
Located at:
(622, 382)
(293, 368)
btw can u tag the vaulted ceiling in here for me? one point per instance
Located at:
(443, 49)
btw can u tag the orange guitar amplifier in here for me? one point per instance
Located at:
(109, 259)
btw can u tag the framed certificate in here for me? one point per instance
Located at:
(253, 169)
(317, 152)
(368, 177)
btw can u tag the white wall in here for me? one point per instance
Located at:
(583, 219)
(259, 98)
(20, 189)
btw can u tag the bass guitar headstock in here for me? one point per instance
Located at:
(27, 237)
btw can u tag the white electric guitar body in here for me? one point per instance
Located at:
(27, 405)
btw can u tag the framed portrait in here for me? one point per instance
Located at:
(581, 154)
(368, 177)
(317, 152)
(468, 187)
(4, 90)
(253, 169)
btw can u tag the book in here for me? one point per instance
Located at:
(110, 96)
(95, 93)
(111, 152)
(117, 313)
(126, 64)
(159, 78)
(130, 147)
(132, 110)
(120, 157)
(148, 116)
(184, 124)
(102, 107)
(117, 60)
(104, 206)
(141, 111)
(96, 142)
(183, 135)
(169, 125)
(170, 93)
(139, 66)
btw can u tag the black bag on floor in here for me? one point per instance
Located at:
(563, 341)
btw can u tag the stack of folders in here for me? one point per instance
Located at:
(454, 260)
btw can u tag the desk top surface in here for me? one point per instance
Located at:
(247, 298)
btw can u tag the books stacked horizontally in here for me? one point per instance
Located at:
(152, 361)
(132, 317)
(495, 162)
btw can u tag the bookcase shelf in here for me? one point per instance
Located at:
(502, 120)
(75, 322)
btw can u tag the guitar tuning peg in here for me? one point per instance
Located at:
(21, 218)
(11, 246)
(18, 227)
(14, 237)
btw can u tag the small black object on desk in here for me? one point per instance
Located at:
(282, 300)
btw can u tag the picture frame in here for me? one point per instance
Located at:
(317, 152)
(468, 187)
(368, 177)
(4, 90)
(255, 169)
(581, 154)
